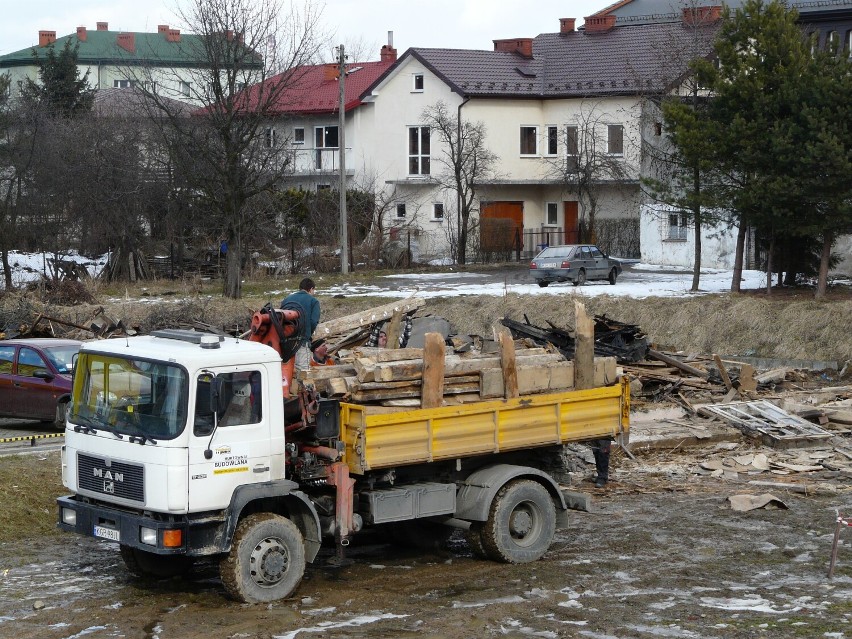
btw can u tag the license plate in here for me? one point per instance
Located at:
(107, 533)
(550, 265)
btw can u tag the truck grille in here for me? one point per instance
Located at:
(112, 478)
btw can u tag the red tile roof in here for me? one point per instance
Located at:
(315, 89)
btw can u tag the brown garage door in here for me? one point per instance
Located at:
(501, 225)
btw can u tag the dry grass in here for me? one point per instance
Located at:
(29, 486)
(790, 327)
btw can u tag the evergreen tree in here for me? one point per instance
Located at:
(60, 88)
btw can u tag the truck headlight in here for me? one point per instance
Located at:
(148, 536)
(69, 517)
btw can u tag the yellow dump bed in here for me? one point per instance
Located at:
(384, 440)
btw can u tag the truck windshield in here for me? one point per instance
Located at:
(130, 396)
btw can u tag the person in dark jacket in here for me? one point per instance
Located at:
(309, 307)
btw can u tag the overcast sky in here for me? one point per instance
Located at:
(465, 24)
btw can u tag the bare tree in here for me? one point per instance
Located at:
(228, 155)
(466, 162)
(594, 161)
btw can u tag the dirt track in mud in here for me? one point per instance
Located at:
(669, 560)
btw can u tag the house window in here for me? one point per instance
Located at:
(417, 80)
(325, 137)
(552, 140)
(270, 137)
(419, 148)
(849, 43)
(185, 88)
(658, 128)
(572, 146)
(615, 139)
(323, 187)
(298, 135)
(529, 138)
(833, 42)
(438, 212)
(400, 210)
(677, 226)
(552, 214)
(121, 84)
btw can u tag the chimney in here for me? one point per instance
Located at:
(163, 29)
(81, 34)
(566, 25)
(46, 38)
(127, 41)
(599, 24)
(330, 71)
(103, 26)
(388, 53)
(173, 35)
(229, 35)
(522, 46)
(696, 16)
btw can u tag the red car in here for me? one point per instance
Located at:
(35, 378)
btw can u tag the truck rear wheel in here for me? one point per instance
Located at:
(473, 536)
(520, 524)
(267, 559)
(147, 564)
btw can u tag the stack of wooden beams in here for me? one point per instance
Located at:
(437, 376)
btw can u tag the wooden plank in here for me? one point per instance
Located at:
(455, 365)
(508, 366)
(316, 373)
(365, 369)
(411, 392)
(393, 329)
(747, 381)
(349, 323)
(723, 372)
(584, 350)
(433, 370)
(671, 361)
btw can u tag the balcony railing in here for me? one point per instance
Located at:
(310, 161)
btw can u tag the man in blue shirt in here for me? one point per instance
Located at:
(309, 307)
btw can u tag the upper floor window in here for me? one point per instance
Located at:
(615, 139)
(325, 137)
(270, 137)
(298, 135)
(185, 88)
(400, 210)
(552, 140)
(438, 211)
(833, 42)
(419, 150)
(849, 43)
(529, 140)
(552, 214)
(572, 146)
(121, 84)
(417, 82)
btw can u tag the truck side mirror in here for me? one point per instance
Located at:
(218, 399)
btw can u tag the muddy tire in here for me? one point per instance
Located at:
(542, 283)
(612, 277)
(581, 278)
(267, 559)
(521, 523)
(473, 536)
(146, 564)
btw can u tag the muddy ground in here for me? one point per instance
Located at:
(661, 556)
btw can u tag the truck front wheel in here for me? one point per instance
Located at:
(267, 559)
(521, 523)
(147, 564)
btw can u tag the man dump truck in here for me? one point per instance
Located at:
(181, 445)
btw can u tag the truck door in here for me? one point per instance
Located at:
(239, 446)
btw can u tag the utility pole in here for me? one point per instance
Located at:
(341, 135)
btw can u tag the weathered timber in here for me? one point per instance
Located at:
(746, 379)
(392, 331)
(671, 361)
(547, 378)
(455, 365)
(723, 372)
(349, 323)
(354, 384)
(433, 370)
(449, 388)
(326, 372)
(584, 350)
(508, 366)
(365, 369)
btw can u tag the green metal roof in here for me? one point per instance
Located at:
(101, 47)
